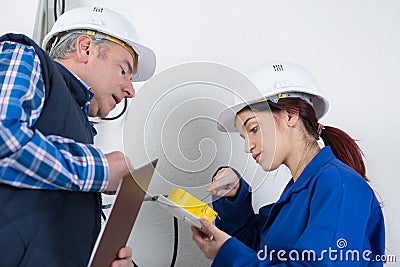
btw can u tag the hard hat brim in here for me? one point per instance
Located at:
(146, 62)
(226, 119)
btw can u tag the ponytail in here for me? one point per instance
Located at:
(344, 148)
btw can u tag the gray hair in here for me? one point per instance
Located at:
(65, 45)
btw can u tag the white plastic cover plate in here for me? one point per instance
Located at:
(180, 213)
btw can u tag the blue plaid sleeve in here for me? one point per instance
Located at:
(28, 159)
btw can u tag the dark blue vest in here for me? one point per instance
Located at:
(43, 227)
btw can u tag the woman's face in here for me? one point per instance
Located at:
(263, 137)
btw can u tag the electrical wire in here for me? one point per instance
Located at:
(55, 8)
(176, 236)
(120, 114)
(175, 253)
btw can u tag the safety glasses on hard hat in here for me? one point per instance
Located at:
(275, 98)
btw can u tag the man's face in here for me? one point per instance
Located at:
(110, 71)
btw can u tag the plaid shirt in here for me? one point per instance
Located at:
(28, 159)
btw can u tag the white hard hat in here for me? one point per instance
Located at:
(275, 81)
(109, 24)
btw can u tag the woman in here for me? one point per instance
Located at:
(327, 214)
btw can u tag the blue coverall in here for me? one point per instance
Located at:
(328, 217)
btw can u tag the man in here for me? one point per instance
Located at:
(51, 175)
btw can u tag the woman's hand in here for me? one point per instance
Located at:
(209, 244)
(225, 183)
(124, 258)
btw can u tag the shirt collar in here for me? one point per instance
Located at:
(313, 167)
(85, 108)
(87, 86)
(309, 171)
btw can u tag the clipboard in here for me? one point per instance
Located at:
(119, 224)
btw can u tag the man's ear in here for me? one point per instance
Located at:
(84, 46)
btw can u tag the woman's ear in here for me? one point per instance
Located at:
(291, 118)
(84, 45)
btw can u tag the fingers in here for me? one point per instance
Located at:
(202, 240)
(219, 180)
(224, 172)
(125, 252)
(122, 263)
(205, 233)
(208, 229)
(217, 185)
(225, 183)
(197, 235)
(118, 167)
(209, 244)
(207, 225)
(109, 192)
(222, 192)
(124, 258)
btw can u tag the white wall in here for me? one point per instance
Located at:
(350, 46)
(17, 16)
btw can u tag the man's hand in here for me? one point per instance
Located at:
(124, 258)
(119, 167)
(209, 244)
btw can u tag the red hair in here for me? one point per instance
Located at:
(345, 148)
